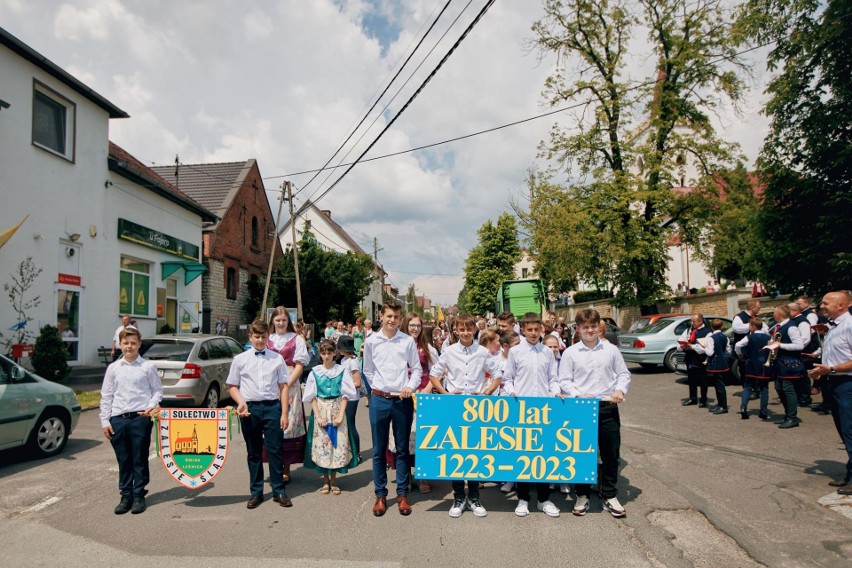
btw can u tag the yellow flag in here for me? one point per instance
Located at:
(440, 314)
(7, 234)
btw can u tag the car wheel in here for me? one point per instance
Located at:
(648, 365)
(211, 399)
(669, 361)
(50, 435)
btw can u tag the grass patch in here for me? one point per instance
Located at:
(88, 398)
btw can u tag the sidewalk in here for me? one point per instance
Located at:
(85, 378)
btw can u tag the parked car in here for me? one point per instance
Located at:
(34, 412)
(642, 322)
(612, 330)
(656, 344)
(192, 368)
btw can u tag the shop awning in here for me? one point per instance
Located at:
(191, 269)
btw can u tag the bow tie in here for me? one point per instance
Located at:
(831, 322)
(260, 352)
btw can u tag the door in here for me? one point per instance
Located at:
(68, 312)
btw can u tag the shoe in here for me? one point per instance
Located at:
(581, 506)
(564, 488)
(254, 502)
(425, 487)
(403, 505)
(476, 507)
(702, 405)
(523, 508)
(380, 507)
(838, 483)
(458, 508)
(789, 424)
(720, 410)
(507, 487)
(139, 506)
(743, 415)
(614, 507)
(844, 490)
(823, 411)
(284, 501)
(713, 408)
(124, 505)
(689, 402)
(763, 416)
(548, 508)
(806, 402)
(782, 421)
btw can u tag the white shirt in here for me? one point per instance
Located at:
(347, 387)
(837, 348)
(530, 370)
(742, 343)
(129, 387)
(387, 361)
(466, 368)
(804, 328)
(353, 366)
(740, 326)
(258, 376)
(797, 342)
(697, 347)
(595, 372)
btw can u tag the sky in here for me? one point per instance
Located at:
(285, 82)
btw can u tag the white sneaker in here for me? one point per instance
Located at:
(615, 508)
(581, 505)
(523, 509)
(564, 488)
(477, 508)
(548, 508)
(457, 509)
(507, 487)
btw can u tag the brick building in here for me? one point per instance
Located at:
(235, 249)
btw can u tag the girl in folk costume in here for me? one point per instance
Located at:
(412, 324)
(329, 389)
(283, 339)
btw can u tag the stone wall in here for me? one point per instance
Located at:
(217, 301)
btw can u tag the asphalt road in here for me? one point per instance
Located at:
(700, 490)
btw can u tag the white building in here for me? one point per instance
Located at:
(108, 235)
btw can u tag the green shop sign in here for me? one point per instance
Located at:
(144, 236)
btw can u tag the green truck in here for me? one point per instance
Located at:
(521, 296)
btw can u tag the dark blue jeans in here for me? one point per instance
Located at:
(263, 427)
(387, 413)
(131, 442)
(762, 387)
(351, 412)
(839, 400)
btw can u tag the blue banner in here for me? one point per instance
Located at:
(503, 438)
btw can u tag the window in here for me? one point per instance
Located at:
(525, 272)
(254, 232)
(231, 283)
(134, 287)
(53, 122)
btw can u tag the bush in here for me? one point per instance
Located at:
(591, 295)
(50, 356)
(166, 329)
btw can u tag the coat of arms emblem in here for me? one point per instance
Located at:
(193, 443)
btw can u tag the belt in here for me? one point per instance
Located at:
(384, 394)
(130, 415)
(607, 404)
(264, 402)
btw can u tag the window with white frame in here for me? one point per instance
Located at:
(134, 287)
(53, 121)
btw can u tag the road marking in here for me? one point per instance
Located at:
(43, 505)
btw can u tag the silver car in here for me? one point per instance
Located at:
(656, 344)
(192, 368)
(34, 411)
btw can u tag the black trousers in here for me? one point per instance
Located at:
(697, 377)
(786, 389)
(609, 452)
(542, 491)
(131, 442)
(472, 490)
(718, 382)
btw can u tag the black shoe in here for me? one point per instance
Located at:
(839, 483)
(823, 411)
(124, 505)
(789, 424)
(283, 500)
(844, 490)
(713, 408)
(689, 402)
(139, 505)
(782, 421)
(720, 410)
(743, 414)
(254, 502)
(702, 405)
(763, 416)
(805, 402)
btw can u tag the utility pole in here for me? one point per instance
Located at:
(376, 250)
(272, 252)
(299, 313)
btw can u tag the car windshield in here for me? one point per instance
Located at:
(639, 324)
(658, 325)
(166, 350)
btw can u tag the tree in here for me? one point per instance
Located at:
(16, 290)
(50, 355)
(332, 283)
(490, 262)
(629, 207)
(806, 160)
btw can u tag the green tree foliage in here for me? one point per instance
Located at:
(490, 262)
(623, 216)
(50, 355)
(806, 161)
(332, 283)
